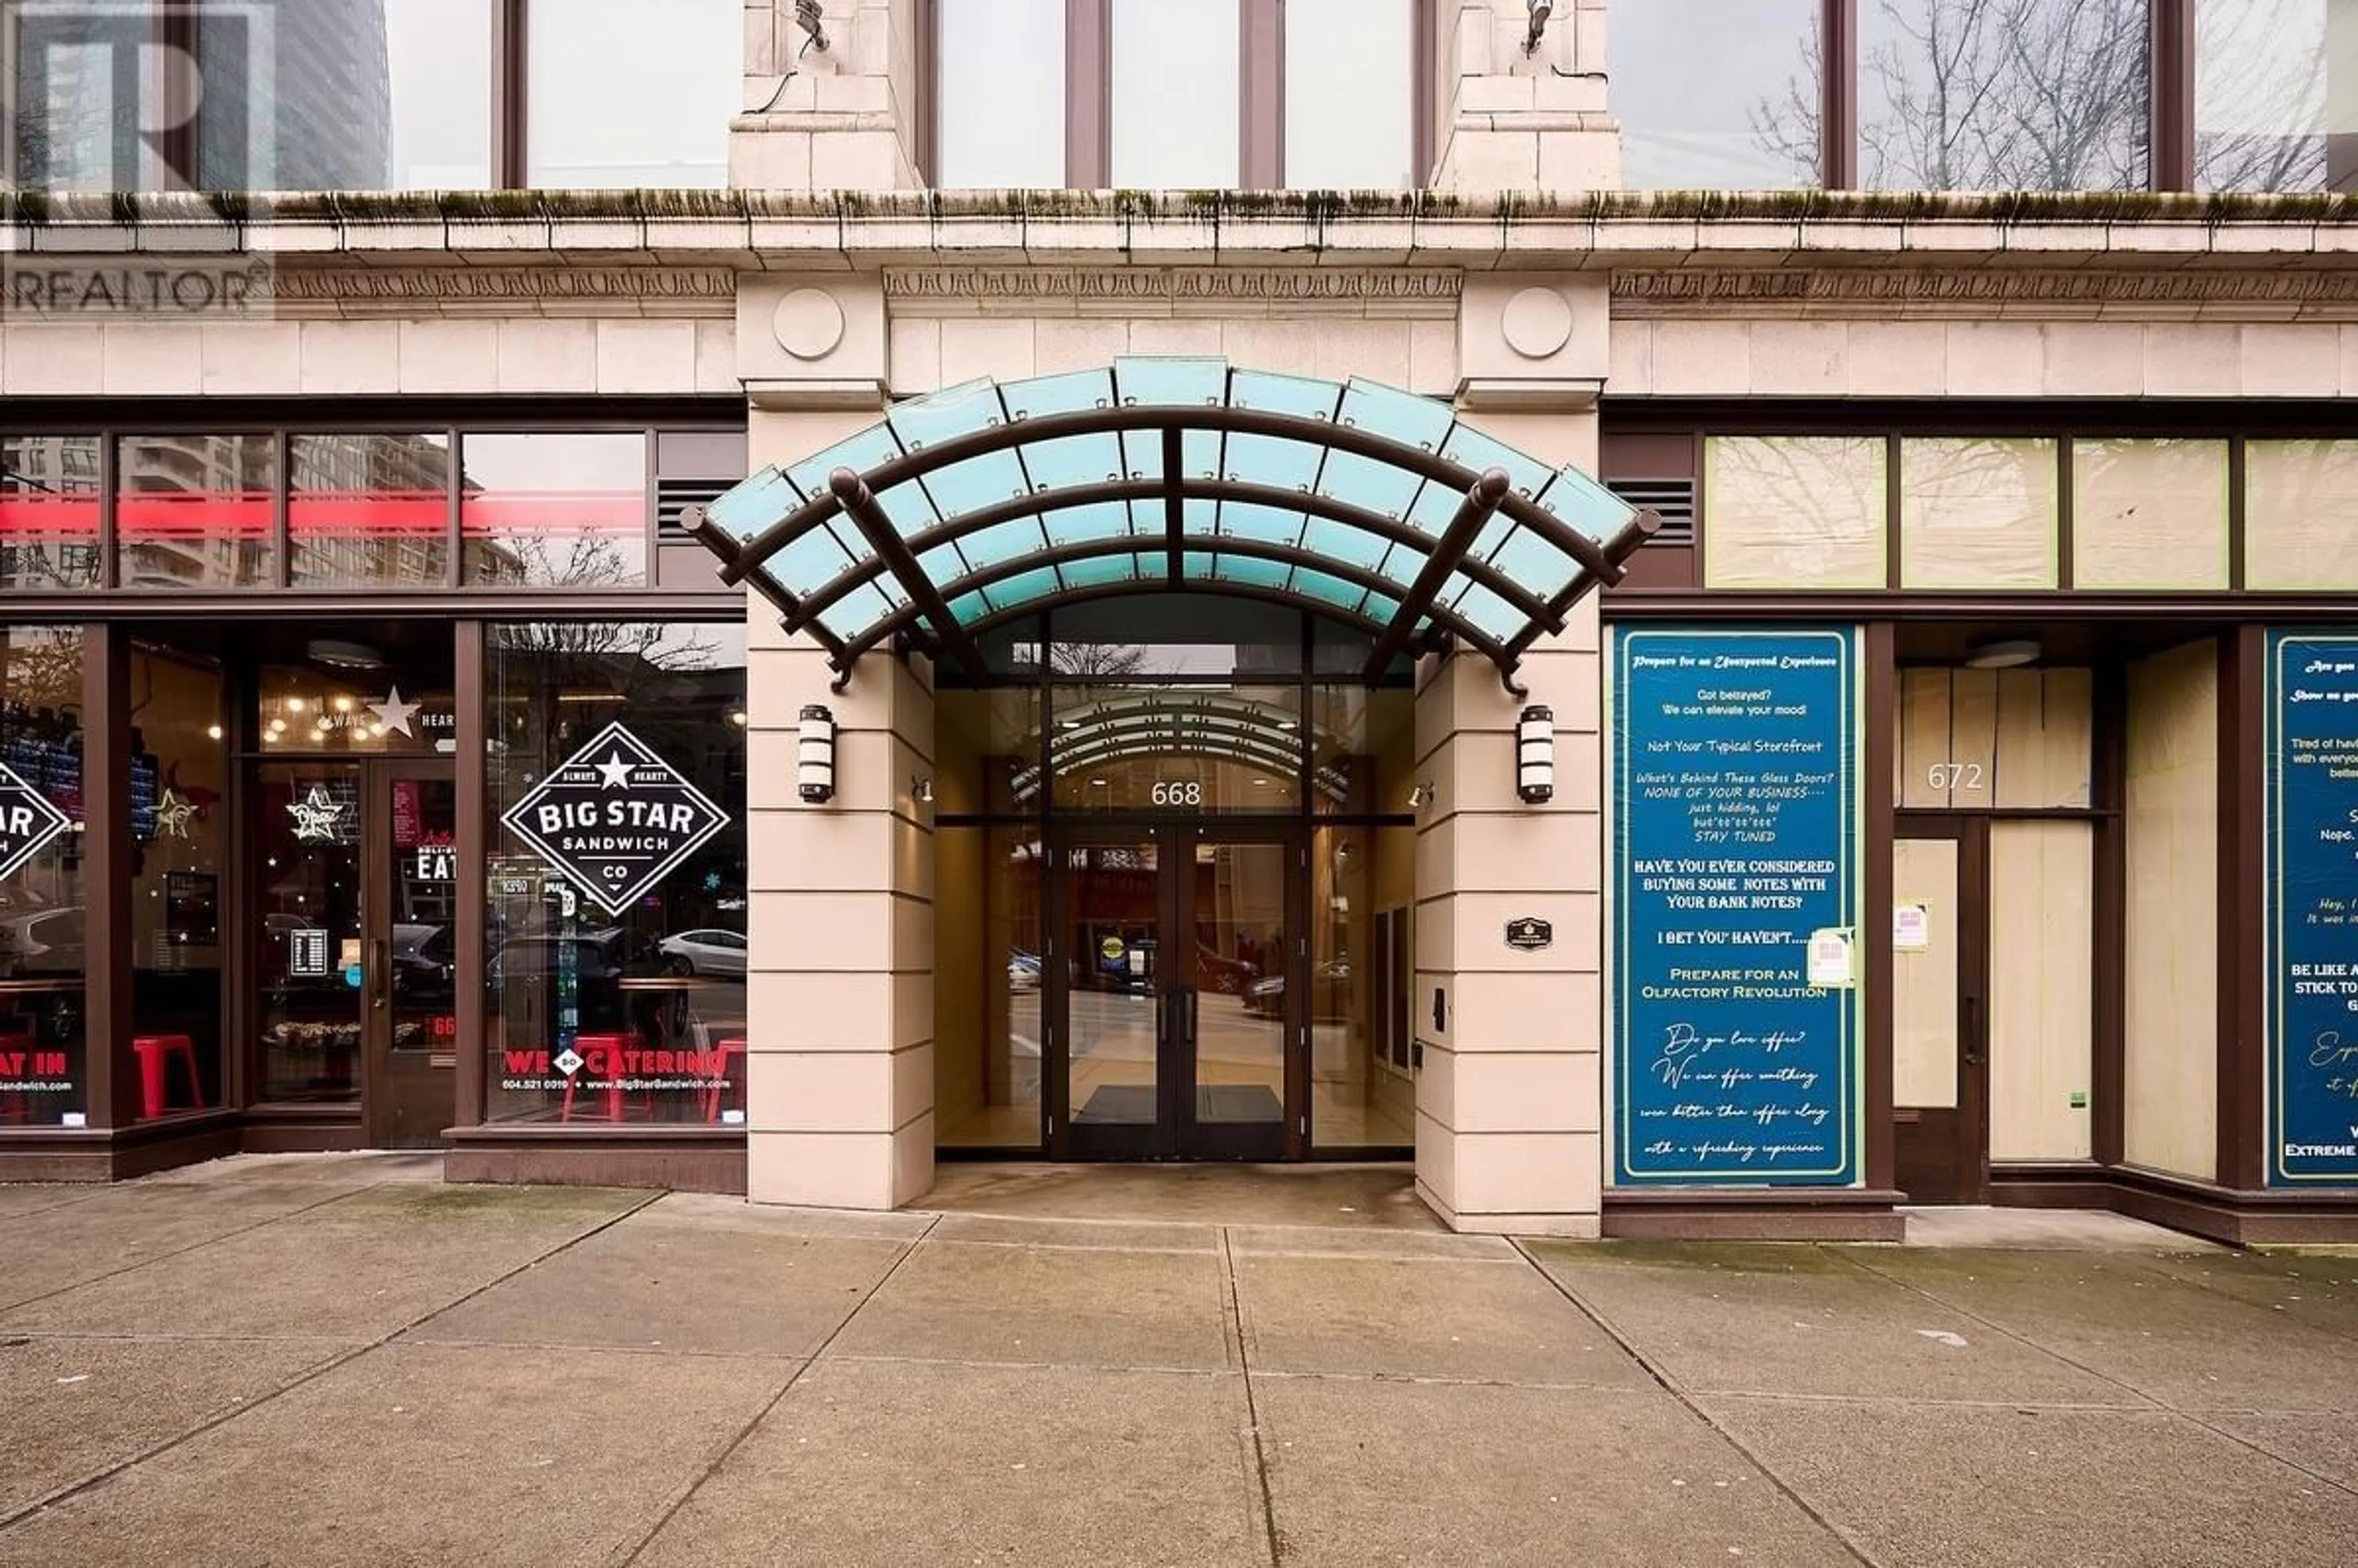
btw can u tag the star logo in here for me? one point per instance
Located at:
(394, 714)
(173, 812)
(615, 819)
(315, 816)
(613, 772)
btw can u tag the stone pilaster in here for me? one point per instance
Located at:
(841, 987)
(1509, 121)
(842, 118)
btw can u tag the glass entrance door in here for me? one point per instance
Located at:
(355, 975)
(1173, 995)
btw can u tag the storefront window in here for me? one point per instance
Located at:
(1363, 749)
(617, 99)
(369, 511)
(44, 1066)
(555, 509)
(988, 982)
(48, 512)
(987, 751)
(196, 512)
(617, 899)
(1363, 885)
(1794, 512)
(319, 707)
(179, 786)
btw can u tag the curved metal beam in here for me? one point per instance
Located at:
(1474, 513)
(907, 615)
(1237, 492)
(858, 502)
(1166, 416)
(1335, 613)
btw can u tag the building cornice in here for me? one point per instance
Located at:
(1979, 291)
(911, 289)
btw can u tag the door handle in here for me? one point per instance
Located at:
(1976, 1048)
(1186, 996)
(380, 971)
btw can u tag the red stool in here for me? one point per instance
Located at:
(614, 1044)
(733, 1046)
(154, 1051)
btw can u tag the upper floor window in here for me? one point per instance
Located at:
(1987, 94)
(414, 95)
(1163, 95)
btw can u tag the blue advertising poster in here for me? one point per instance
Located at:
(1735, 843)
(2312, 908)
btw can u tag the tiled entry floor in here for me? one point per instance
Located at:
(334, 1362)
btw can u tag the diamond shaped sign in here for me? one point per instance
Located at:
(28, 821)
(615, 819)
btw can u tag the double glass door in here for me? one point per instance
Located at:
(355, 979)
(1174, 995)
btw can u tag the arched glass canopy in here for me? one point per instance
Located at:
(1214, 724)
(989, 501)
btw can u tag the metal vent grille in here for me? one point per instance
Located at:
(674, 496)
(1673, 498)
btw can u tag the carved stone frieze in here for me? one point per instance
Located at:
(424, 289)
(1977, 290)
(1399, 286)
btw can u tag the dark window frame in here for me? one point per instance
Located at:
(1261, 97)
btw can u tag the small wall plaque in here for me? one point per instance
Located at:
(1529, 933)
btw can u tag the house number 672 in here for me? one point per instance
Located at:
(1953, 775)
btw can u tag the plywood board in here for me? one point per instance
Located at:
(2042, 998)
(1924, 981)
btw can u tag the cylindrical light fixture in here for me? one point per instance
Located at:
(1535, 755)
(814, 755)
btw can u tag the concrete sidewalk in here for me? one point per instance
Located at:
(339, 1360)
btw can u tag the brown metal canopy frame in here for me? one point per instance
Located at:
(926, 620)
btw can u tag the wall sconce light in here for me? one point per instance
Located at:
(808, 16)
(814, 755)
(1421, 796)
(1539, 13)
(1535, 755)
(921, 790)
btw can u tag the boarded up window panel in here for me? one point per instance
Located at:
(1793, 511)
(1924, 980)
(2043, 963)
(2300, 517)
(2148, 515)
(1973, 739)
(1977, 512)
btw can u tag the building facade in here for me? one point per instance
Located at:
(1702, 617)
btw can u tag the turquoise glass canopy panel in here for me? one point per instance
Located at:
(1006, 497)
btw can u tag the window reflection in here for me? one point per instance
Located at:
(369, 511)
(1176, 78)
(178, 827)
(2267, 112)
(617, 99)
(72, 134)
(555, 511)
(196, 511)
(44, 1066)
(647, 1001)
(1363, 885)
(1000, 64)
(48, 512)
(1190, 750)
(2003, 94)
(1349, 98)
(987, 984)
(1718, 94)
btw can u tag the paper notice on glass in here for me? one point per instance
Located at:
(1830, 967)
(1912, 928)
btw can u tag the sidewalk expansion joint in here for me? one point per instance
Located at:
(99, 1479)
(1235, 1316)
(623, 1555)
(1672, 1387)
